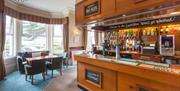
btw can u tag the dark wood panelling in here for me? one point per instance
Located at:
(106, 10)
(128, 6)
(76, 48)
(113, 8)
(177, 41)
(79, 13)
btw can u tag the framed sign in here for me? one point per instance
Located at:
(93, 77)
(92, 8)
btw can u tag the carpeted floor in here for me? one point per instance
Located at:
(67, 82)
(16, 82)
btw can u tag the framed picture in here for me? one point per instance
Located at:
(93, 77)
(92, 8)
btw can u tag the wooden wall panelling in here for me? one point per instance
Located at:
(79, 13)
(129, 6)
(113, 8)
(109, 78)
(131, 83)
(107, 9)
(177, 39)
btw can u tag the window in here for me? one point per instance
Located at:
(57, 39)
(34, 36)
(100, 38)
(90, 40)
(9, 42)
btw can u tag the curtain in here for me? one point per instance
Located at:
(2, 39)
(23, 16)
(66, 36)
(85, 37)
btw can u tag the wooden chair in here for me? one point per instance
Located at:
(20, 64)
(36, 67)
(65, 59)
(56, 63)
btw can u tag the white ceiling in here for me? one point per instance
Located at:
(52, 6)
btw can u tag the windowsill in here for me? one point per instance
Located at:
(10, 57)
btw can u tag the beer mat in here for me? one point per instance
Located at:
(146, 66)
(128, 63)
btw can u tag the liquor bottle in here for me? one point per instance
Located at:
(167, 30)
(133, 44)
(127, 44)
(161, 31)
(152, 32)
(148, 32)
(144, 32)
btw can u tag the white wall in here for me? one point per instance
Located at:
(75, 34)
(10, 65)
(77, 1)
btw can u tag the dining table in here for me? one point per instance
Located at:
(48, 57)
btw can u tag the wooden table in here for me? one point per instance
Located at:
(49, 57)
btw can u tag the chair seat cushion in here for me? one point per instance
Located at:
(47, 62)
(49, 66)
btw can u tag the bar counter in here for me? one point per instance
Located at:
(105, 73)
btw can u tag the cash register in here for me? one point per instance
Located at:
(167, 46)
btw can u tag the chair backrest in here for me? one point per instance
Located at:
(38, 66)
(36, 54)
(65, 55)
(19, 59)
(57, 63)
(20, 63)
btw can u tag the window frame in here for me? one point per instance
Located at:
(56, 36)
(41, 35)
(13, 25)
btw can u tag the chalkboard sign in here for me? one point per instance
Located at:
(92, 9)
(165, 20)
(93, 77)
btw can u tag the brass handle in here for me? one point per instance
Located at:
(139, 1)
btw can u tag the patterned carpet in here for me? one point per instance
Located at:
(16, 81)
(67, 82)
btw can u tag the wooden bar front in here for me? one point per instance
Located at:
(112, 76)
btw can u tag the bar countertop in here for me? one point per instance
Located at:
(144, 69)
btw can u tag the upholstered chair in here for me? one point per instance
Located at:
(35, 67)
(55, 64)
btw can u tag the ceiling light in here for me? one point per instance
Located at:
(174, 13)
(123, 15)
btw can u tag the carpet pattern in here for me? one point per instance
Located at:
(67, 82)
(16, 82)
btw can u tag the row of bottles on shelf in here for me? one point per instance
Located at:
(154, 31)
(126, 38)
(170, 29)
(122, 34)
(130, 44)
(129, 38)
(150, 31)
